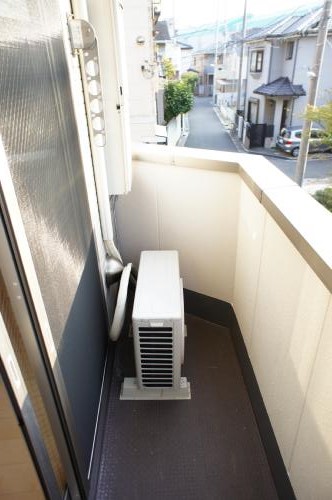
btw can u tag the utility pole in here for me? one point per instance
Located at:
(243, 34)
(216, 54)
(312, 91)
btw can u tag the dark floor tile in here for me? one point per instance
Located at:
(207, 448)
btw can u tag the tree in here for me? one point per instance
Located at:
(322, 115)
(178, 99)
(191, 79)
(168, 68)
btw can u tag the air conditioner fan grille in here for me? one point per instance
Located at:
(156, 354)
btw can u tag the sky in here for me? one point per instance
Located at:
(197, 12)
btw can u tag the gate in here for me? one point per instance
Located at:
(256, 133)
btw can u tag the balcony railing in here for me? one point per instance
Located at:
(249, 236)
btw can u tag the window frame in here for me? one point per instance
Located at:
(290, 50)
(256, 61)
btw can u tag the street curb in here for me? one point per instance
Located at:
(239, 145)
(242, 149)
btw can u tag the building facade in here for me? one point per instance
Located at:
(279, 61)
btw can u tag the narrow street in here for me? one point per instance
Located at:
(206, 131)
(318, 170)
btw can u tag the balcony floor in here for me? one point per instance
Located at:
(207, 448)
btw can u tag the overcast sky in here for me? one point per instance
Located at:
(197, 12)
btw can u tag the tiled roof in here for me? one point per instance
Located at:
(280, 87)
(291, 25)
(161, 31)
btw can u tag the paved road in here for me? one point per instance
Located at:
(206, 131)
(316, 169)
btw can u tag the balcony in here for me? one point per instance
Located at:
(255, 256)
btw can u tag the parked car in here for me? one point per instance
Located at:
(289, 140)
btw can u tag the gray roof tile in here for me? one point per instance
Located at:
(280, 87)
(161, 31)
(291, 25)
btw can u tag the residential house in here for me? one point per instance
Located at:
(223, 70)
(203, 63)
(255, 258)
(186, 56)
(227, 72)
(166, 46)
(280, 58)
(179, 54)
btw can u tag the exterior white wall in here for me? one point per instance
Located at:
(280, 66)
(173, 52)
(229, 69)
(277, 116)
(142, 103)
(277, 60)
(226, 101)
(186, 60)
(305, 58)
(254, 80)
(288, 65)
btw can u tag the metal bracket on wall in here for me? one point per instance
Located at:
(83, 38)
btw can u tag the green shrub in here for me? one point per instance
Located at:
(178, 99)
(322, 115)
(191, 79)
(325, 197)
(169, 69)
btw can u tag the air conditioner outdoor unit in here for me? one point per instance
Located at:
(158, 330)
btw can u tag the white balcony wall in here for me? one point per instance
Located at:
(311, 464)
(192, 211)
(285, 311)
(248, 235)
(281, 305)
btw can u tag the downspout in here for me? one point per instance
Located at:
(270, 62)
(105, 208)
(269, 79)
(245, 111)
(98, 160)
(114, 267)
(293, 74)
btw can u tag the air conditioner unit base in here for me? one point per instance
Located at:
(130, 390)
